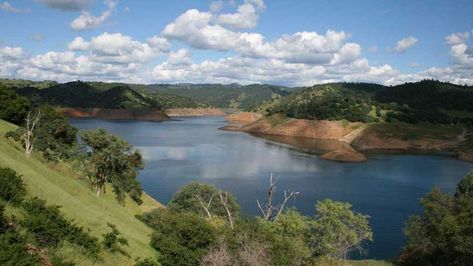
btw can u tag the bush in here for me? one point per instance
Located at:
(12, 188)
(50, 227)
(181, 239)
(14, 250)
(146, 262)
(112, 240)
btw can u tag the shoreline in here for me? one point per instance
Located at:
(357, 141)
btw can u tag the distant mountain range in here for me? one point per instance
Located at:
(423, 101)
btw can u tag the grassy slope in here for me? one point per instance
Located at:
(57, 184)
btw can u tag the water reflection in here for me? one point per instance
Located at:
(385, 187)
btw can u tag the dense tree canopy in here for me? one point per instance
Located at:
(13, 106)
(191, 197)
(112, 161)
(442, 234)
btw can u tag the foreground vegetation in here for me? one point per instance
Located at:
(54, 210)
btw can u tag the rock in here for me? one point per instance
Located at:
(345, 154)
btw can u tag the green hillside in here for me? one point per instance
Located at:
(425, 101)
(81, 94)
(223, 96)
(59, 184)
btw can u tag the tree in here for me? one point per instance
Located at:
(269, 210)
(338, 230)
(442, 234)
(28, 132)
(13, 106)
(112, 161)
(180, 238)
(12, 188)
(54, 136)
(205, 200)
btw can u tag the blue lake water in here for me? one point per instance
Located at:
(386, 187)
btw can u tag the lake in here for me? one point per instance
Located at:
(386, 187)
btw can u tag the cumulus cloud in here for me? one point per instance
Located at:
(68, 5)
(78, 44)
(457, 38)
(6, 6)
(246, 17)
(404, 44)
(88, 21)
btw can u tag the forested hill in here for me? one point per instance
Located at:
(221, 95)
(80, 94)
(424, 101)
(121, 95)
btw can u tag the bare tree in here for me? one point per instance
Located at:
(253, 253)
(218, 255)
(206, 205)
(269, 209)
(224, 201)
(28, 136)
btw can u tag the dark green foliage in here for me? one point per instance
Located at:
(12, 188)
(443, 233)
(465, 187)
(13, 106)
(55, 136)
(50, 227)
(425, 101)
(181, 239)
(82, 94)
(3, 220)
(112, 160)
(185, 200)
(14, 250)
(146, 262)
(331, 101)
(112, 240)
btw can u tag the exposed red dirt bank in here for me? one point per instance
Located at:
(115, 114)
(357, 136)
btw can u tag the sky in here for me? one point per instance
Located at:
(282, 42)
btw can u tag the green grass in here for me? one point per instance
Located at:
(59, 184)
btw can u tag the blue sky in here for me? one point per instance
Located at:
(246, 41)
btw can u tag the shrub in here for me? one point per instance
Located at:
(146, 262)
(112, 240)
(14, 250)
(50, 227)
(12, 188)
(181, 239)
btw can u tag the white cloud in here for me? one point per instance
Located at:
(457, 38)
(78, 44)
(246, 17)
(404, 44)
(68, 5)
(87, 21)
(6, 6)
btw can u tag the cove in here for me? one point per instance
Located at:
(386, 187)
